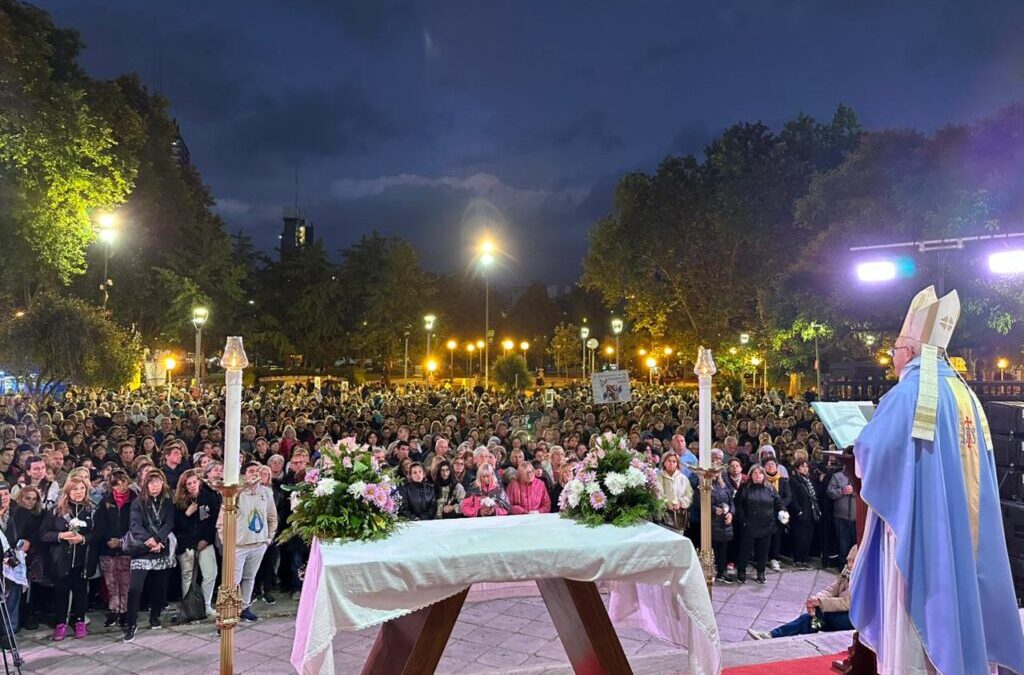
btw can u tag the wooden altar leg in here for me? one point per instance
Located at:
(413, 644)
(583, 627)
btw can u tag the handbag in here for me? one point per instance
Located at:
(193, 604)
(130, 545)
(678, 519)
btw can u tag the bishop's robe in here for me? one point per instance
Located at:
(932, 590)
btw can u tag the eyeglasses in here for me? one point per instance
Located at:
(892, 352)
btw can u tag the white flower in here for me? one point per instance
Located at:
(593, 487)
(325, 487)
(356, 489)
(635, 477)
(576, 487)
(615, 482)
(574, 499)
(76, 524)
(784, 517)
(622, 444)
(488, 502)
(294, 499)
(608, 435)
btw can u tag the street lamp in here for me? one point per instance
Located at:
(744, 338)
(652, 363)
(1007, 262)
(107, 234)
(452, 344)
(487, 250)
(755, 361)
(524, 345)
(470, 348)
(428, 325)
(616, 329)
(584, 334)
(199, 317)
(609, 351)
(169, 364)
(1002, 365)
(480, 348)
(431, 368)
(507, 345)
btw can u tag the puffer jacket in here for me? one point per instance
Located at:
(418, 501)
(758, 507)
(721, 496)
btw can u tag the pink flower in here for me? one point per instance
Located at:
(348, 443)
(313, 476)
(346, 462)
(600, 453)
(590, 461)
(598, 500)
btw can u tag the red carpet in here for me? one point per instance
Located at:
(815, 665)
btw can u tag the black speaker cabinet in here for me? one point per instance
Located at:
(1005, 417)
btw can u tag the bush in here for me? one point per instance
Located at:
(511, 373)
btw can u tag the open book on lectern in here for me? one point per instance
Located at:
(844, 419)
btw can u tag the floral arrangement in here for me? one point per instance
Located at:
(613, 485)
(349, 497)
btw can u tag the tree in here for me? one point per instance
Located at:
(62, 340)
(511, 373)
(565, 347)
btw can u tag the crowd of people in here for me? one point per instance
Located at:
(108, 498)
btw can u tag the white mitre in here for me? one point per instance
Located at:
(930, 322)
(930, 319)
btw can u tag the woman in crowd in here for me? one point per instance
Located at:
(448, 492)
(113, 518)
(28, 517)
(418, 499)
(264, 586)
(675, 490)
(486, 497)
(775, 477)
(12, 542)
(758, 506)
(152, 551)
(71, 531)
(460, 473)
(195, 519)
(722, 513)
(527, 493)
(804, 512)
(565, 474)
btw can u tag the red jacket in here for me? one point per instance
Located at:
(527, 498)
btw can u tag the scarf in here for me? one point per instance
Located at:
(121, 498)
(773, 480)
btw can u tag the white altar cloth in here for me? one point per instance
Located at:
(656, 580)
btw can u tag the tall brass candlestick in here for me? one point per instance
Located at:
(229, 598)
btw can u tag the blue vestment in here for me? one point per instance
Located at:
(951, 555)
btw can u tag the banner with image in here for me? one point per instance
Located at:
(611, 386)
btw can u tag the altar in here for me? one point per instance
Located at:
(416, 581)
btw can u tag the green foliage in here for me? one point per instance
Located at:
(62, 340)
(565, 347)
(511, 373)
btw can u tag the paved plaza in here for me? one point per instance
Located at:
(506, 635)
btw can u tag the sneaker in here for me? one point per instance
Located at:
(776, 567)
(211, 613)
(296, 595)
(760, 578)
(726, 580)
(60, 632)
(129, 634)
(112, 619)
(269, 599)
(759, 634)
(248, 615)
(741, 580)
(154, 623)
(80, 630)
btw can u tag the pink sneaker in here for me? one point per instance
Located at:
(60, 632)
(80, 630)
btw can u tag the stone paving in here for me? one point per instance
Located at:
(505, 635)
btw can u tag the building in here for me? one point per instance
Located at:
(179, 150)
(297, 233)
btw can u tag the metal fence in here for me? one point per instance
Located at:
(871, 389)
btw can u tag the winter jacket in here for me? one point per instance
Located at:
(531, 497)
(201, 525)
(418, 501)
(450, 495)
(721, 497)
(758, 506)
(472, 504)
(113, 522)
(845, 505)
(836, 597)
(676, 487)
(151, 518)
(65, 557)
(804, 507)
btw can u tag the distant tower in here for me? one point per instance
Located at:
(178, 148)
(296, 233)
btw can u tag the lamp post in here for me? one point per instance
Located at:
(452, 344)
(584, 334)
(431, 368)
(169, 364)
(480, 348)
(705, 370)
(107, 233)
(405, 361)
(652, 363)
(229, 599)
(616, 329)
(524, 345)
(486, 260)
(470, 348)
(1002, 365)
(507, 345)
(755, 361)
(609, 351)
(199, 317)
(428, 325)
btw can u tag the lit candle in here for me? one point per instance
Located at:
(704, 369)
(233, 361)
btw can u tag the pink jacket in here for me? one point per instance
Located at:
(526, 498)
(471, 504)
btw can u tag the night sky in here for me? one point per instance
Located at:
(426, 119)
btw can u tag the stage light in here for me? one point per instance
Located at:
(876, 271)
(1007, 262)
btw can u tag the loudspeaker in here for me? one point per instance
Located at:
(1005, 417)
(1011, 483)
(1008, 450)
(1013, 527)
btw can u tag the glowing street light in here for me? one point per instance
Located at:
(199, 317)
(1007, 262)
(642, 351)
(668, 351)
(883, 360)
(428, 325)
(507, 345)
(755, 360)
(1002, 365)
(470, 348)
(616, 329)
(875, 271)
(107, 224)
(584, 334)
(431, 368)
(169, 364)
(524, 346)
(486, 258)
(733, 351)
(744, 338)
(651, 363)
(452, 345)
